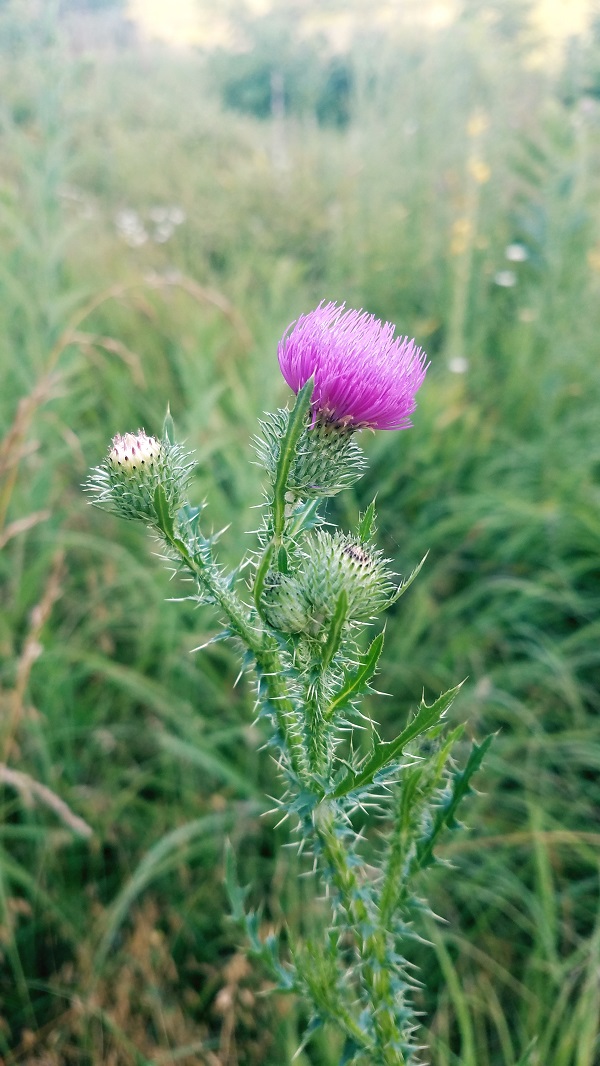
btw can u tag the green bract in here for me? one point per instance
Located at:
(327, 458)
(305, 600)
(136, 465)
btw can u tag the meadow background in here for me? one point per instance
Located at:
(164, 214)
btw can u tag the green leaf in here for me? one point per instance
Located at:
(261, 573)
(304, 518)
(313, 1026)
(163, 514)
(168, 430)
(387, 751)
(267, 949)
(195, 562)
(334, 636)
(408, 582)
(366, 525)
(444, 818)
(287, 453)
(350, 1050)
(526, 1059)
(356, 681)
(236, 894)
(211, 762)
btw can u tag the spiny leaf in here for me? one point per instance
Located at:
(313, 1026)
(445, 814)
(168, 431)
(408, 582)
(335, 630)
(366, 525)
(295, 426)
(264, 949)
(305, 518)
(235, 892)
(261, 573)
(387, 751)
(356, 681)
(165, 520)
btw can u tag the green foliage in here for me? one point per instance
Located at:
(276, 72)
(498, 480)
(385, 754)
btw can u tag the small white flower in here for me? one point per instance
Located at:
(176, 215)
(505, 278)
(131, 228)
(458, 365)
(516, 253)
(163, 232)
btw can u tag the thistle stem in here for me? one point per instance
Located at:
(238, 618)
(316, 727)
(370, 941)
(268, 663)
(274, 686)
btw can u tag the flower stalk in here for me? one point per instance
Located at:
(300, 621)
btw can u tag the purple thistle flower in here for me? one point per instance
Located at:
(364, 376)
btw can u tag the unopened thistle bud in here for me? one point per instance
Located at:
(286, 607)
(305, 601)
(135, 467)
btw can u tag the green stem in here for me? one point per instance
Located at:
(273, 680)
(371, 943)
(315, 726)
(268, 662)
(287, 455)
(239, 619)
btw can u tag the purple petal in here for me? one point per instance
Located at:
(364, 376)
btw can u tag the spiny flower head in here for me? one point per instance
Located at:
(364, 376)
(136, 465)
(305, 600)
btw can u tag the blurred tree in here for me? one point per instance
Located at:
(510, 20)
(273, 66)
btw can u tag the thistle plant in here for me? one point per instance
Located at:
(302, 620)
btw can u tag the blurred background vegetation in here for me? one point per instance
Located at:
(164, 214)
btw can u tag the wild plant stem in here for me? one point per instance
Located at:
(370, 941)
(268, 661)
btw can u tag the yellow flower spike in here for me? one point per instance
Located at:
(479, 170)
(461, 235)
(478, 124)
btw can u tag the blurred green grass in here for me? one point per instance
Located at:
(114, 943)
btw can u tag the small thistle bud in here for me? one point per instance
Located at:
(133, 451)
(305, 601)
(136, 465)
(285, 606)
(339, 563)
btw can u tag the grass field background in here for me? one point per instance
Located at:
(157, 235)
